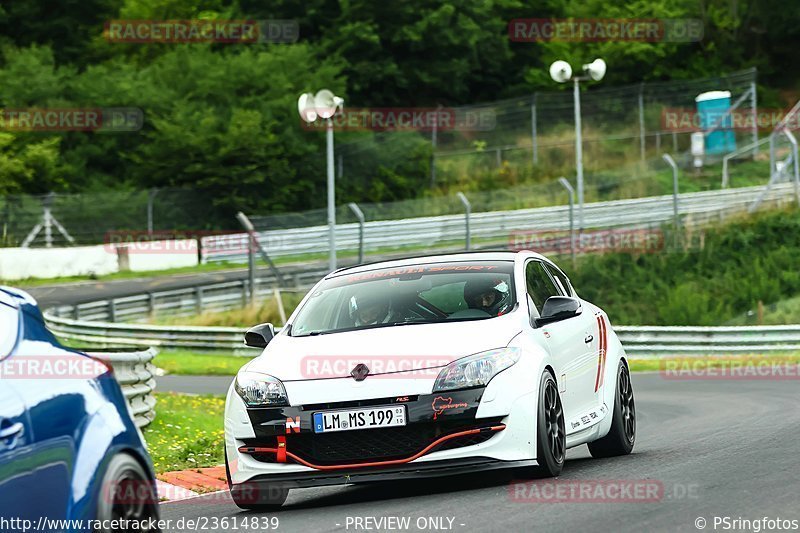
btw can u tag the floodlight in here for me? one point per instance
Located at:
(326, 103)
(305, 106)
(560, 71)
(596, 69)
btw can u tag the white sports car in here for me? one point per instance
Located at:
(427, 367)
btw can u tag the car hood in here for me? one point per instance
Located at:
(384, 350)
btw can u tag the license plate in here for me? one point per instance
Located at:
(367, 418)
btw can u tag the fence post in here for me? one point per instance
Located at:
(641, 121)
(360, 216)
(533, 131)
(563, 181)
(677, 220)
(433, 149)
(279, 302)
(151, 195)
(152, 304)
(467, 212)
(198, 297)
(112, 311)
(754, 106)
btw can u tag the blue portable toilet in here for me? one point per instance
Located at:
(711, 107)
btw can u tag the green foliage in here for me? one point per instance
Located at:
(738, 265)
(221, 119)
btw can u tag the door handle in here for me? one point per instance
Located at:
(11, 431)
(588, 339)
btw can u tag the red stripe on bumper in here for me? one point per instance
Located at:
(256, 449)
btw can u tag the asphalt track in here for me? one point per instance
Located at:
(90, 291)
(712, 448)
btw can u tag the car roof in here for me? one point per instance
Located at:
(501, 255)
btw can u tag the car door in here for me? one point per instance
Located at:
(17, 480)
(39, 416)
(565, 340)
(583, 369)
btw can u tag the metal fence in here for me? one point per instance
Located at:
(182, 302)
(651, 341)
(135, 372)
(639, 341)
(493, 228)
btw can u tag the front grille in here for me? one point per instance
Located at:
(369, 445)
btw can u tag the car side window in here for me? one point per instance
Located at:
(9, 327)
(561, 279)
(539, 284)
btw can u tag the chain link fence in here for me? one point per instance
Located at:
(511, 165)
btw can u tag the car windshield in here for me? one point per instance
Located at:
(413, 294)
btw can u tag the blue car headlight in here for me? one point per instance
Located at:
(475, 370)
(260, 390)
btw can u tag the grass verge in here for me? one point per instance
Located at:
(187, 433)
(185, 363)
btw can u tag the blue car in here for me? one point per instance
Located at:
(69, 449)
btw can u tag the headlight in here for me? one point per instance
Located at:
(475, 370)
(260, 390)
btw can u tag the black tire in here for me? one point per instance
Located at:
(127, 492)
(255, 497)
(622, 436)
(551, 443)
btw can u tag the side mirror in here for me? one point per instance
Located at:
(559, 308)
(259, 336)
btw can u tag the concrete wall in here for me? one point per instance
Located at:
(22, 263)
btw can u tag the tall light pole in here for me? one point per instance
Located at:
(561, 72)
(324, 105)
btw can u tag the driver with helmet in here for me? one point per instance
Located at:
(368, 309)
(483, 294)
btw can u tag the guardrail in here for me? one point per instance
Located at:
(697, 340)
(135, 371)
(639, 341)
(182, 302)
(496, 226)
